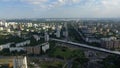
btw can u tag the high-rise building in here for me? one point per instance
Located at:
(33, 50)
(20, 62)
(6, 24)
(13, 62)
(1, 23)
(46, 37)
(29, 50)
(110, 43)
(57, 31)
(66, 31)
(37, 50)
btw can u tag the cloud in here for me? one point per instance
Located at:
(110, 3)
(35, 2)
(61, 8)
(50, 3)
(54, 3)
(59, 3)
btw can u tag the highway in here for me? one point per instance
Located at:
(86, 46)
(80, 34)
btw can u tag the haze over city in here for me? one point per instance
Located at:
(59, 34)
(59, 9)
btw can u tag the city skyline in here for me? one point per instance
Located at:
(59, 9)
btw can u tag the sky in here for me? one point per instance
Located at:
(59, 9)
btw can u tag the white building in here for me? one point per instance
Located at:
(92, 40)
(8, 30)
(45, 47)
(1, 48)
(20, 62)
(1, 28)
(1, 23)
(6, 24)
(5, 46)
(18, 49)
(27, 42)
(36, 37)
(29, 24)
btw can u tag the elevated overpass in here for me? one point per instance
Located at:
(87, 46)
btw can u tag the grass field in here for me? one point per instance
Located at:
(55, 64)
(66, 53)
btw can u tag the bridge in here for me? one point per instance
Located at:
(87, 46)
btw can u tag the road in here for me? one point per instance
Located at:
(81, 35)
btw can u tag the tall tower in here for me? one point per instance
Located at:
(57, 31)
(66, 31)
(20, 62)
(46, 37)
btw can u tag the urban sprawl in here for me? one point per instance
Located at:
(55, 43)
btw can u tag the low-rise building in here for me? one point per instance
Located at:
(36, 37)
(5, 46)
(18, 49)
(27, 42)
(45, 47)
